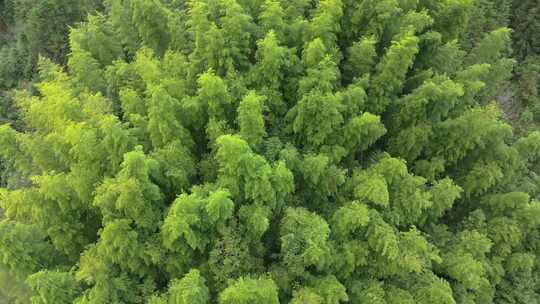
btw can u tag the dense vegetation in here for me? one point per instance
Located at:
(270, 151)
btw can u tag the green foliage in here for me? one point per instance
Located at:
(258, 291)
(29, 29)
(190, 289)
(486, 16)
(304, 241)
(53, 287)
(190, 217)
(525, 23)
(251, 119)
(13, 290)
(150, 18)
(24, 248)
(234, 151)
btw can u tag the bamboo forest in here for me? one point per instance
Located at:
(270, 151)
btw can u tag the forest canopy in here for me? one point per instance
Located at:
(269, 151)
